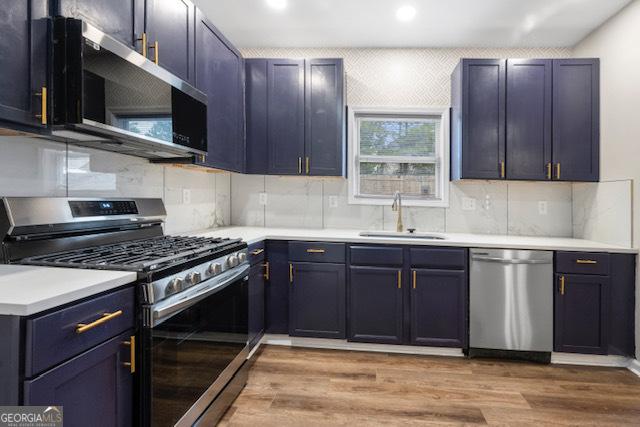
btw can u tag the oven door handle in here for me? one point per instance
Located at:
(163, 312)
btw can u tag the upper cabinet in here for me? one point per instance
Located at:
(219, 73)
(533, 119)
(295, 116)
(23, 61)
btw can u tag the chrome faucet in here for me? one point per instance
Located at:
(397, 207)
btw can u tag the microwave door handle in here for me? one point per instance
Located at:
(510, 261)
(163, 313)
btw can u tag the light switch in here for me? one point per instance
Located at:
(263, 199)
(333, 201)
(186, 196)
(468, 204)
(542, 207)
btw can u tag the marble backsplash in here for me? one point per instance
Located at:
(500, 207)
(37, 167)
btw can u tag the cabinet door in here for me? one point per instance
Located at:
(438, 307)
(581, 313)
(256, 301)
(483, 118)
(375, 305)
(277, 288)
(529, 119)
(121, 19)
(256, 115)
(317, 300)
(170, 24)
(324, 117)
(23, 60)
(576, 119)
(219, 74)
(95, 388)
(285, 116)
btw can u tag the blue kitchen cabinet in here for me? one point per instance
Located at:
(24, 58)
(324, 117)
(576, 119)
(277, 288)
(257, 275)
(317, 300)
(528, 119)
(376, 304)
(95, 388)
(121, 19)
(220, 75)
(256, 115)
(478, 110)
(170, 28)
(438, 307)
(581, 313)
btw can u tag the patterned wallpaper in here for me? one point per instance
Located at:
(401, 77)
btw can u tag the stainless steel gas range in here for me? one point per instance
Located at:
(192, 293)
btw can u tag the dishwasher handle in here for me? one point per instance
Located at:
(510, 260)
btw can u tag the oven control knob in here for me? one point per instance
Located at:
(232, 261)
(242, 257)
(215, 268)
(194, 278)
(174, 286)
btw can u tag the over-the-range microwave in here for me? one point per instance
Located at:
(108, 96)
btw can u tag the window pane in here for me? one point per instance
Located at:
(410, 179)
(159, 127)
(399, 137)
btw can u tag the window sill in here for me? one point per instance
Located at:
(374, 201)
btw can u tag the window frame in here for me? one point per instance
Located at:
(441, 157)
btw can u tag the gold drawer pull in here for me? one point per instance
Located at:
(84, 327)
(414, 279)
(132, 354)
(586, 261)
(561, 285)
(143, 40)
(156, 52)
(549, 170)
(257, 251)
(266, 270)
(43, 108)
(299, 164)
(315, 251)
(399, 279)
(307, 162)
(558, 171)
(502, 170)
(290, 273)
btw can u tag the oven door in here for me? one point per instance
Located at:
(193, 343)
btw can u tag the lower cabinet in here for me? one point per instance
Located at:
(95, 387)
(257, 275)
(438, 307)
(581, 313)
(375, 304)
(317, 300)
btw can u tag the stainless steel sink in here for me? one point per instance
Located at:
(403, 235)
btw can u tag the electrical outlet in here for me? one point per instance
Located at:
(468, 204)
(333, 201)
(186, 196)
(263, 199)
(543, 207)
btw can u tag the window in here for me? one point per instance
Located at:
(403, 150)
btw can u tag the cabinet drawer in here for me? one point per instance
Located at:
(56, 336)
(582, 263)
(317, 252)
(256, 253)
(376, 256)
(440, 258)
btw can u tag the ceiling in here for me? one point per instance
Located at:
(437, 23)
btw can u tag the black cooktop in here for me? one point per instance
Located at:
(137, 255)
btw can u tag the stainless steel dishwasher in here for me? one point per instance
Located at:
(511, 301)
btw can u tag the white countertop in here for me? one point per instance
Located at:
(256, 234)
(26, 290)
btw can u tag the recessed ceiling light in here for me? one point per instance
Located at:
(406, 13)
(277, 4)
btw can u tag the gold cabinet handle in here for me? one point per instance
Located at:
(257, 251)
(43, 105)
(414, 273)
(561, 285)
(399, 279)
(299, 164)
(266, 270)
(132, 353)
(143, 40)
(315, 251)
(84, 327)
(290, 273)
(502, 170)
(307, 165)
(156, 49)
(558, 171)
(586, 261)
(549, 167)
